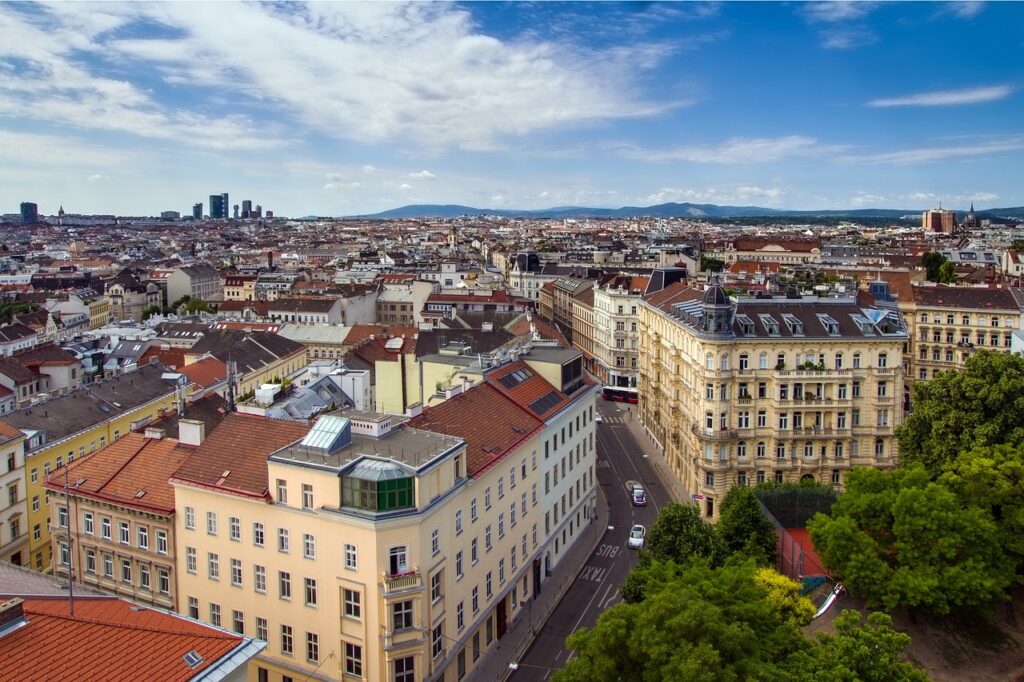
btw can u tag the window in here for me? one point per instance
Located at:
(435, 587)
(856, 360)
(236, 572)
(353, 659)
(126, 571)
(475, 600)
(310, 591)
(284, 585)
(161, 542)
(472, 510)
(238, 622)
(64, 554)
(282, 540)
(487, 538)
(487, 497)
(213, 565)
(883, 359)
(488, 585)
(193, 608)
(435, 542)
(142, 537)
(122, 528)
(401, 615)
(350, 557)
(437, 640)
(460, 621)
(259, 575)
(286, 639)
(282, 491)
(215, 614)
(856, 389)
(234, 528)
(62, 519)
(307, 496)
(108, 566)
(257, 534)
(191, 560)
(458, 522)
(458, 565)
(261, 629)
(472, 552)
(398, 560)
(90, 561)
(405, 669)
(211, 523)
(879, 448)
(353, 604)
(308, 546)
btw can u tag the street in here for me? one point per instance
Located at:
(620, 458)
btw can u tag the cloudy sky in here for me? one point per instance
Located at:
(348, 108)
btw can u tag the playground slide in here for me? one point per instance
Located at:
(836, 591)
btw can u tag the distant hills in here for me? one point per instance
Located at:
(670, 210)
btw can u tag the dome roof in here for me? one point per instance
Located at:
(715, 294)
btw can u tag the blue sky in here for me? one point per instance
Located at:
(339, 109)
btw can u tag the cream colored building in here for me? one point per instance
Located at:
(13, 507)
(617, 331)
(368, 549)
(947, 324)
(754, 390)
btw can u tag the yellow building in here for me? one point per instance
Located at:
(947, 324)
(101, 311)
(754, 390)
(367, 549)
(13, 508)
(61, 429)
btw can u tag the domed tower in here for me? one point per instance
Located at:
(717, 310)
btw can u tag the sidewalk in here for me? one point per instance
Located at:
(529, 621)
(656, 456)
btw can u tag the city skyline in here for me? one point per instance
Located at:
(358, 108)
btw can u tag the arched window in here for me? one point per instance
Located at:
(879, 447)
(744, 361)
(760, 449)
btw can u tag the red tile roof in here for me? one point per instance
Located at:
(126, 467)
(490, 423)
(240, 445)
(206, 372)
(8, 432)
(174, 358)
(673, 293)
(109, 639)
(527, 391)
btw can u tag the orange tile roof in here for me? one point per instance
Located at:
(128, 466)
(490, 423)
(174, 358)
(673, 293)
(206, 372)
(527, 391)
(109, 639)
(240, 445)
(8, 432)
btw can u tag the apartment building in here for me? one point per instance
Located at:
(113, 523)
(61, 429)
(13, 507)
(583, 328)
(200, 280)
(784, 389)
(616, 329)
(946, 324)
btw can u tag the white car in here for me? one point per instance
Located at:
(636, 537)
(598, 419)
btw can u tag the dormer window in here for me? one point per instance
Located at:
(829, 323)
(866, 328)
(770, 324)
(746, 325)
(796, 327)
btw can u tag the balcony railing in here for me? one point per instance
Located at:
(824, 373)
(407, 581)
(712, 434)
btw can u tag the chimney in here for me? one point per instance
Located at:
(154, 433)
(191, 432)
(11, 616)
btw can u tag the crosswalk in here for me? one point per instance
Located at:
(615, 420)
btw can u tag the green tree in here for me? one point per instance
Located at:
(150, 311)
(899, 539)
(680, 535)
(868, 652)
(947, 273)
(704, 624)
(743, 529)
(196, 305)
(8, 309)
(992, 478)
(980, 405)
(932, 262)
(709, 264)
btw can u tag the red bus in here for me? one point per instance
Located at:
(621, 394)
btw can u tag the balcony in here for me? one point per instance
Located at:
(403, 583)
(711, 434)
(811, 373)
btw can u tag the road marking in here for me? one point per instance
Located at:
(608, 602)
(609, 551)
(633, 464)
(603, 464)
(592, 573)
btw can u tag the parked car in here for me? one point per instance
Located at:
(636, 537)
(639, 497)
(598, 419)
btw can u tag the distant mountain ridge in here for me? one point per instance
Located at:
(669, 210)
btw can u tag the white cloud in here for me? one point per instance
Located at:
(742, 194)
(96, 177)
(739, 150)
(368, 170)
(423, 174)
(334, 177)
(963, 10)
(864, 199)
(838, 11)
(941, 98)
(906, 157)
(847, 39)
(405, 187)
(374, 71)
